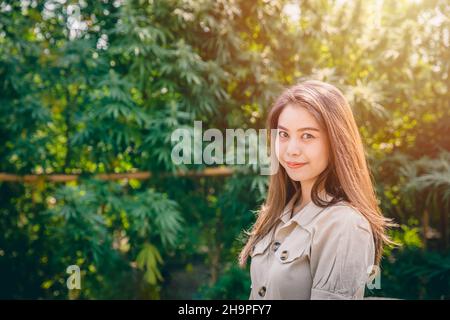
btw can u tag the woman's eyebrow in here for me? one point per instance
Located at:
(301, 129)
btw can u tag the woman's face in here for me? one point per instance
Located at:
(301, 140)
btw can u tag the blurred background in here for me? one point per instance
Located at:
(91, 91)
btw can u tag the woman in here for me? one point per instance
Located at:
(320, 232)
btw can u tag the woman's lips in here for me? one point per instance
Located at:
(294, 165)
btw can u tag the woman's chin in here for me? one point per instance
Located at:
(295, 176)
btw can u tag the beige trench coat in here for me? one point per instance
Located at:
(319, 253)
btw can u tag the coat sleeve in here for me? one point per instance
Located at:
(342, 255)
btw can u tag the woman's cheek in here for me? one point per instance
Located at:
(321, 158)
(278, 148)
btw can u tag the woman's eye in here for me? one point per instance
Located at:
(283, 134)
(309, 136)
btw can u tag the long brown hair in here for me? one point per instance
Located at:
(347, 176)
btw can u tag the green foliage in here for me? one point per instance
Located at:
(405, 236)
(91, 87)
(147, 260)
(233, 284)
(414, 274)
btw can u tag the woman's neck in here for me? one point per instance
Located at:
(302, 202)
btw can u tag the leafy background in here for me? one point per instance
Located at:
(91, 87)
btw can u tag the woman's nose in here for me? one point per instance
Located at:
(293, 148)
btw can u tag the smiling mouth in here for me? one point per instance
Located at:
(295, 164)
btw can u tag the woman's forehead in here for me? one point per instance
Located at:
(296, 118)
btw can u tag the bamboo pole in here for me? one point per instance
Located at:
(140, 175)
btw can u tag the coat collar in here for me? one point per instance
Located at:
(305, 215)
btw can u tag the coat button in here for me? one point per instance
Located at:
(276, 245)
(284, 255)
(262, 291)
